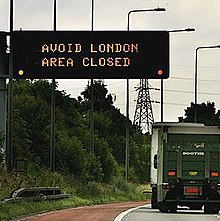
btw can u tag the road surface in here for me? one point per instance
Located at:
(145, 213)
(106, 212)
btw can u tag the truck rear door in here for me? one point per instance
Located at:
(193, 165)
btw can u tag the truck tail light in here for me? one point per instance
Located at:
(172, 173)
(214, 174)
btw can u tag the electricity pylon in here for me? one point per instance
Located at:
(144, 113)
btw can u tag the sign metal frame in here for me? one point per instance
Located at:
(87, 54)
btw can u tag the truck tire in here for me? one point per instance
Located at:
(163, 207)
(154, 203)
(211, 208)
(173, 208)
(154, 198)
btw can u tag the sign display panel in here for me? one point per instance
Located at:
(86, 54)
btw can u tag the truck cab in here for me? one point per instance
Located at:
(185, 167)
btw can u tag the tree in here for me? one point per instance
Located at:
(108, 162)
(102, 100)
(31, 127)
(206, 113)
(31, 133)
(140, 156)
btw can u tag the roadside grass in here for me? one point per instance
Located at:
(10, 211)
(81, 194)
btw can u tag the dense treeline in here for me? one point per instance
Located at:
(202, 113)
(32, 127)
(31, 133)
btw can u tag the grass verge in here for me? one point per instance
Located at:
(82, 194)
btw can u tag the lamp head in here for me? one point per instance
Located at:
(190, 29)
(160, 9)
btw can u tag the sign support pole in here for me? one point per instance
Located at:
(9, 152)
(92, 97)
(53, 105)
(3, 90)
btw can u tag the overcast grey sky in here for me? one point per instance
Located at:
(204, 16)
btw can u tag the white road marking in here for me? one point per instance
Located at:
(121, 215)
(194, 214)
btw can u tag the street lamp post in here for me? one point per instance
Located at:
(142, 10)
(127, 93)
(161, 83)
(196, 74)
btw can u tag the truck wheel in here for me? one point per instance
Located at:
(173, 208)
(163, 207)
(211, 208)
(154, 204)
(154, 198)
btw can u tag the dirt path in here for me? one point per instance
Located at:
(106, 212)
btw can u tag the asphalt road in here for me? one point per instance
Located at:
(145, 213)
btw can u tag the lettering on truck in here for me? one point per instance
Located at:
(193, 153)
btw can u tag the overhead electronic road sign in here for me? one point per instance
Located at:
(86, 54)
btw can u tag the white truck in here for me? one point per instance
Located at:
(185, 166)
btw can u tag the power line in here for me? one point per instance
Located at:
(191, 66)
(191, 79)
(170, 103)
(190, 92)
(174, 91)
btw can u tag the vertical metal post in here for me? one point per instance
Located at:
(196, 76)
(3, 91)
(161, 100)
(55, 15)
(2, 100)
(9, 152)
(92, 23)
(196, 84)
(127, 104)
(127, 135)
(92, 96)
(162, 82)
(127, 118)
(53, 89)
(92, 148)
(52, 137)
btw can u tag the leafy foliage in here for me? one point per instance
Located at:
(31, 137)
(81, 194)
(205, 113)
(99, 94)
